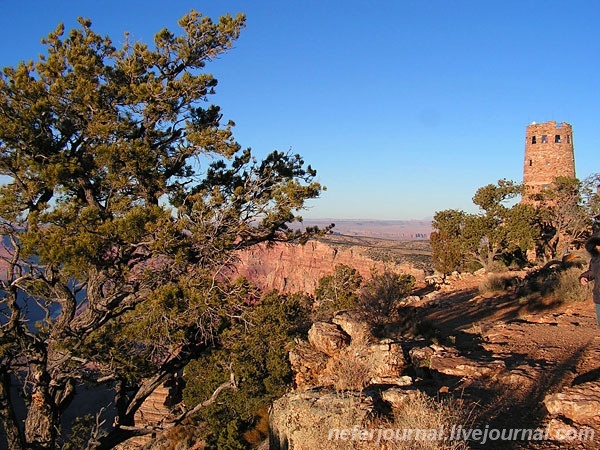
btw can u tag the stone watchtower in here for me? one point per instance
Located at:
(548, 154)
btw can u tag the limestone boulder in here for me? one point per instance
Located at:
(327, 338)
(354, 325)
(309, 420)
(386, 359)
(308, 364)
(347, 354)
(398, 397)
(523, 377)
(461, 366)
(559, 430)
(403, 380)
(420, 358)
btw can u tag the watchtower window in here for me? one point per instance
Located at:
(557, 139)
(568, 138)
(544, 138)
(530, 162)
(533, 139)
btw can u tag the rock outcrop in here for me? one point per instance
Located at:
(579, 404)
(327, 338)
(343, 365)
(298, 268)
(460, 366)
(348, 360)
(332, 370)
(309, 420)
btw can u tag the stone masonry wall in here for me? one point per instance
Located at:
(548, 154)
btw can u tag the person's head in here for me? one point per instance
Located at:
(593, 245)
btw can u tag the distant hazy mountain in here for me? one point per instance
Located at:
(386, 229)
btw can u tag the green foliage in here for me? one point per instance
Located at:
(229, 437)
(81, 433)
(499, 229)
(493, 197)
(256, 349)
(567, 210)
(126, 197)
(337, 291)
(380, 295)
(448, 248)
(505, 232)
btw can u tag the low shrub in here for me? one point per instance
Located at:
(568, 287)
(558, 283)
(379, 297)
(497, 266)
(336, 292)
(494, 283)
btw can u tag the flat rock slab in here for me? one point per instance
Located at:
(460, 366)
(579, 403)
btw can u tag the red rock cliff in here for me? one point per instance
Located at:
(293, 268)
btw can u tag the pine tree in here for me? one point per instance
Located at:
(125, 198)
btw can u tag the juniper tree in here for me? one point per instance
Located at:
(462, 240)
(337, 291)
(567, 210)
(125, 196)
(561, 216)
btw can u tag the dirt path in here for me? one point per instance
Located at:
(545, 348)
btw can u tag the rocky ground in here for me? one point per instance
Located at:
(551, 355)
(511, 363)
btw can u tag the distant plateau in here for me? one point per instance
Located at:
(385, 229)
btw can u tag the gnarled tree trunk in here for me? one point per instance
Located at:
(14, 439)
(41, 424)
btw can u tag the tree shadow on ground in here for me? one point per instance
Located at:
(460, 318)
(591, 375)
(465, 309)
(519, 408)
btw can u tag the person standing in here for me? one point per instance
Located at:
(593, 272)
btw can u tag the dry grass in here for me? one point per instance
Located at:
(495, 283)
(555, 286)
(352, 372)
(417, 424)
(568, 288)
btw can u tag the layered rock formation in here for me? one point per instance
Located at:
(346, 356)
(306, 420)
(298, 268)
(332, 368)
(158, 408)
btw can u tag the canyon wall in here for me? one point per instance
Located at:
(294, 268)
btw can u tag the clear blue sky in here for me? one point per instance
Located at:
(403, 107)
